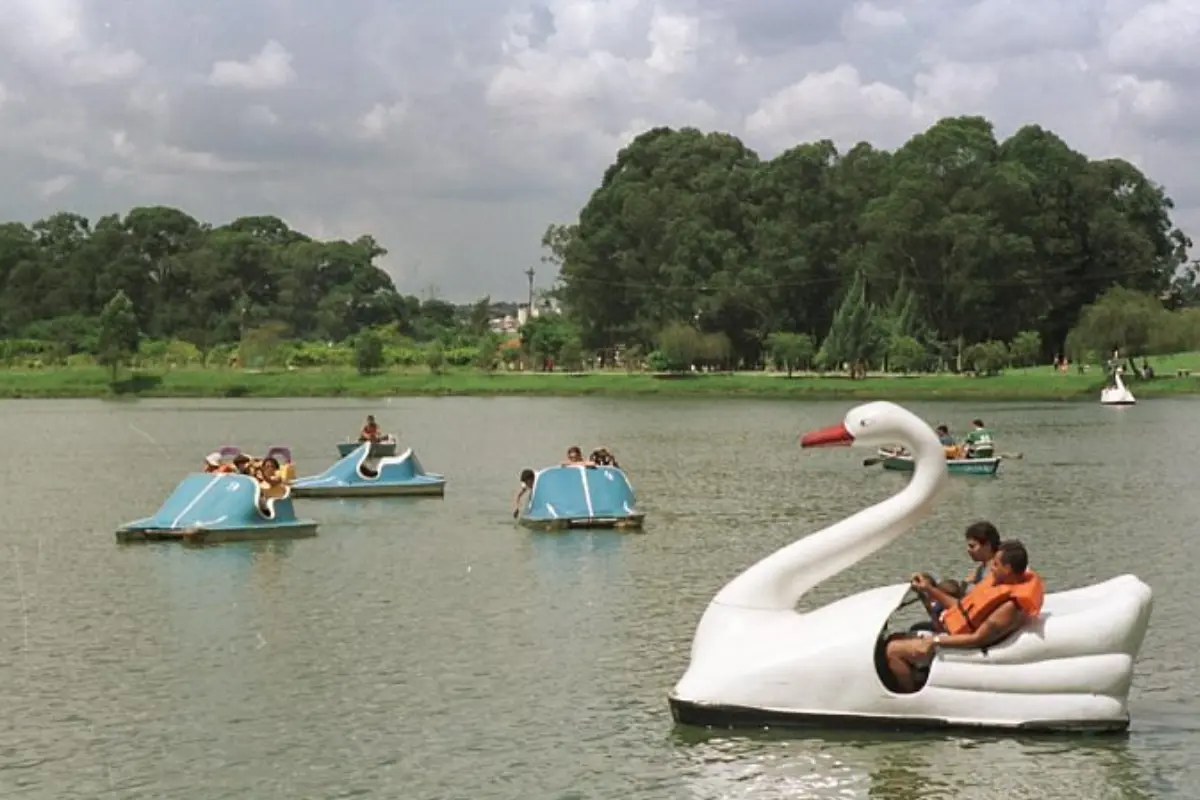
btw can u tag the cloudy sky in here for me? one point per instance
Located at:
(455, 130)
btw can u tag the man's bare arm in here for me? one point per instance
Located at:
(1001, 623)
(938, 596)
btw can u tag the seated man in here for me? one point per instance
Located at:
(603, 457)
(370, 431)
(949, 446)
(982, 542)
(269, 480)
(575, 458)
(978, 443)
(990, 612)
(213, 463)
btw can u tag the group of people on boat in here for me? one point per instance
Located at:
(266, 471)
(998, 596)
(599, 457)
(976, 444)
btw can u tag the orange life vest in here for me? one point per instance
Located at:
(226, 469)
(981, 602)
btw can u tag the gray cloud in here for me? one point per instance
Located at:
(455, 131)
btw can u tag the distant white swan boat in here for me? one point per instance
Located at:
(1117, 394)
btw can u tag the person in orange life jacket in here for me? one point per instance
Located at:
(993, 610)
(982, 542)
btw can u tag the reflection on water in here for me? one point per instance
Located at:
(908, 767)
(571, 558)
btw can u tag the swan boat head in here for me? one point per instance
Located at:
(756, 660)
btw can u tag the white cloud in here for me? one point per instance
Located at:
(675, 39)
(51, 36)
(950, 88)
(1159, 38)
(52, 186)
(261, 115)
(271, 68)
(381, 118)
(836, 104)
(868, 15)
(456, 131)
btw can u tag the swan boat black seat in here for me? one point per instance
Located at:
(920, 674)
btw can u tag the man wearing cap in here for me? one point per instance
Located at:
(212, 463)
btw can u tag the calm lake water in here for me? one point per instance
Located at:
(428, 648)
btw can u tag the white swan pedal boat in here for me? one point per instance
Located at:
(756, 661)
(1117, 394)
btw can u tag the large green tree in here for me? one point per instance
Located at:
(119, 335)
(665, 239)
(957, 237)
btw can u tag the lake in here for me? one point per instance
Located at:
(429, 648)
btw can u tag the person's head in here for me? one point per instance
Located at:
(269, 465)
(370, 419)
(212, 461)
(574, 453)
(978, 423)
(982, 541)
(527, 477)
(951, 587)
(1010, 562)
(242, 462)
(943, 430)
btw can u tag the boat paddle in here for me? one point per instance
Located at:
(870, 462)
(873, 460)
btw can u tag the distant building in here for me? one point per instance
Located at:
(506, 324)
(511, 324)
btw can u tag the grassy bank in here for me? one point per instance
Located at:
(1040, 383)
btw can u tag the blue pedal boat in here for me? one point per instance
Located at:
(208, 508)
(581, 497)
(362, 473)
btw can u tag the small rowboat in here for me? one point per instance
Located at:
(955, 466)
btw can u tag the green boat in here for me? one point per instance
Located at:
(955, 466)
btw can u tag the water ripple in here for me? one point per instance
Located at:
(430, 649)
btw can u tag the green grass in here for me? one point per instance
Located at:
(1038, 383)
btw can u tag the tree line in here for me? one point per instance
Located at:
(208, 286)
(955, 248)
